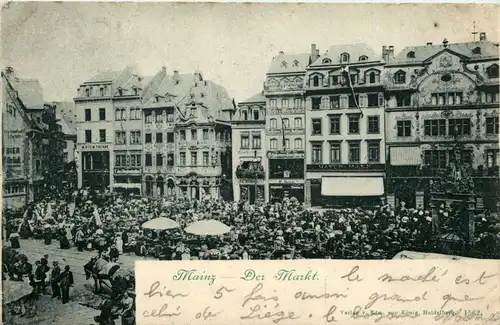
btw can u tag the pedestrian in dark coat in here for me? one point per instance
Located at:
(66, 281)
(54, 277)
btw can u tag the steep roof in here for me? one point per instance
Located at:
(30, 92)
(67, 127)
(289, 63)
(355, 51)
(489, 50)
(108, 76)
(257, 98)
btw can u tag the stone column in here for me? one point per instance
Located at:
(307, 192)
(189, 192)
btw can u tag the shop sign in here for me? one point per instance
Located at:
(93, 147)
(122, 171)
(299, 154)
(286, 186)
(345, 167)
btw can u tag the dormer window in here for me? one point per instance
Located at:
(327, 61)
(120, 92)
(344, 58)
(373, 77)
(363, 58)
(492, 71)
(87, 92)
(410, 55)
(400, 77)
(315, 81)
(284, 64)
(476, 50)
(135, 91)
(295, 63)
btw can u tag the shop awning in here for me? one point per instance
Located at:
(128, 185)
(352, 186)
(405, 156)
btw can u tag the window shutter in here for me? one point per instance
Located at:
(324, 102)
(308, 103)
(363, 100)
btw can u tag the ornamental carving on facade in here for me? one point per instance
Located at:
(446, 61)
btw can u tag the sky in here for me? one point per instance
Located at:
(64, 44)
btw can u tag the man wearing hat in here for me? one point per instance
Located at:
(66, 281)
(56, 272)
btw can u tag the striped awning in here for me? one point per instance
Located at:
(352, 186)
(405, 156)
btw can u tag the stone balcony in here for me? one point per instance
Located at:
(208, 171)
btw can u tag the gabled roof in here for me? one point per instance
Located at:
(257, 98)
(30, 92)
(355, 52)
(489, 50)
(289, 63)
(67, 127)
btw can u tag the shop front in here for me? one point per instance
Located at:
(96, 169)
(278, 192)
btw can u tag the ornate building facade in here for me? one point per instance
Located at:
(345, 160)
(285, 125)
(249, 151)
(442, 115)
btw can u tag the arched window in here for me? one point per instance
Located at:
(298, 143)
(363, 58)
(149, 185)
(286, 123)
(410, 55)
(476, 50)
(298, 122)
(295, 63)
(273, 123)
(492, 71)
(160, 186)
(316, 81)
(344, 58)
(273, 143)
(400, 77)
(284, 64)
(327, 61)
(373, 77)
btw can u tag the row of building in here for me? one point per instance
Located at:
(36, 141)
(351, 126)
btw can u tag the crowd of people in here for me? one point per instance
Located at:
(111, 225)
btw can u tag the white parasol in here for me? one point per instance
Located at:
(160, 223)
(207, 228)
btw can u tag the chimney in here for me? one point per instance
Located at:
(429, 43)
(482, 36)
(164, 69)
(317, 53)
(176, 74)
(281, 53)
(384, 53)
(314, 52)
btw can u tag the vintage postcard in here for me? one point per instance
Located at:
(250, 163)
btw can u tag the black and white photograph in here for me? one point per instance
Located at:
(231, 131)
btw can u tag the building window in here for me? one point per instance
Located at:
(245, 142)
(373, 100)
(182, 159)
(158, 117)
(297, 102)
(272, 103)
(194, 112)
(492, 125)
(170, 159)
(334, 153)
(354, 101)
(148, 138)
(410, 55)
(335, 124)
(284, 103)
(194, 135)
(403, 100)
(335, 80)
(135, 137)
(170, 116)
(256, 143)
(120, 160)
(476, 50)
(136, 160)
(102, 114)
(373, 152)
(88, 114)
(244, 115)
(436, 158)
(334, 102)
(316, 103)
(344, 58)
(159, 137)
(452, 98)
(492, 71)
(273, 143)
(182, 135)
(287, 144)
(353, 124)
(87, 92)
(344, 101)
(135, 114)
(205, 158)
(315, 81)
(256, 115)
(286, 123)
(205, 134)
(297, 122)
(298, 143)
(317, 153)
(102, 135)
(170, 137)
(120, 137)
(373, 77)
(373, 124)
(363, 58)
(149, 116)
(492, 156)
(149, 159)
(38, 165)
(194, 158)
(88, 136)
(273, 123)
(400, 77)
(159, 159)
(458, 127)
(435, 127)
(354, 152)
(316, 126)
(404, 128)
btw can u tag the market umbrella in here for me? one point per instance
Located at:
(15, 290)
(207, 228)
(160, 223)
